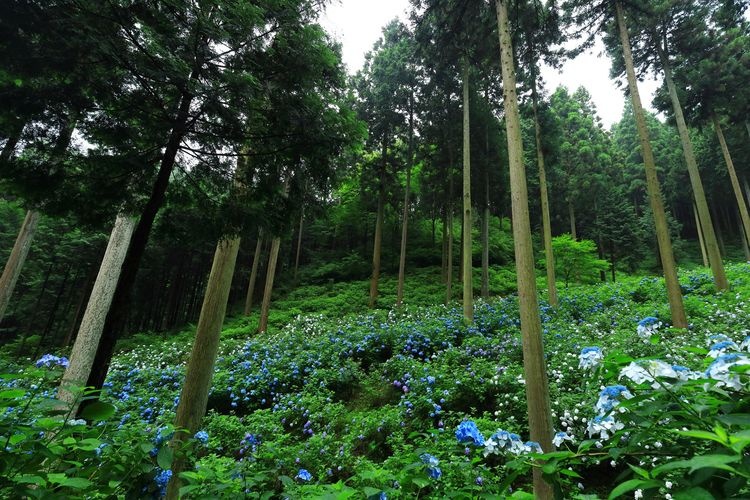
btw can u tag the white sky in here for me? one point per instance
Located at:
(357, 24)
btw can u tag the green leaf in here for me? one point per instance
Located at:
(701, 435)
(12, 394)
(286, 480)
(522, 495)
(98, 411)
(741, 419)
(694, 493)
(30, 479)
(420, 482)
(700, 462)
(78, 483)
(164, 457)
(370, 492)
(569, 473)
(18, 82)
(631, 485)
(641, 472)
(56, 478)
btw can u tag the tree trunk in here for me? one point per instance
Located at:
(535, 374)
(17, 258)
(200, 368)
(377, 244)
(449, 229)
(572, 217)
(86, 293)
(745, 247)
(118, 311)
(53, 312)
(92, 324)
(733, 176)
(299, 243)
(709, 245)
(486, 212)
(265, 307)
(468, 295)
(652, 181)
(549, 257)
(699, 230)
(253, 274)
(405, 222)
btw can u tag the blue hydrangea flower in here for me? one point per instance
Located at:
(303, 475)
(610, 396)
(560, 438)
(430, 460)
(533, 447)
(721, 370)
(161, 480)
(647, 326)
(722, 347)
(590, 357)
(468, 432)
(201, 436)
(50, 360)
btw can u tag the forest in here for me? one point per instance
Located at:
(235, 268)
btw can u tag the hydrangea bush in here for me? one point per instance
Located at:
(416, 403)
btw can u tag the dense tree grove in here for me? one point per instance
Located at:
(169, 168)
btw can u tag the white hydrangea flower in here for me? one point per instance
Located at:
(590, 357)
(647, 371)
(560, 438)
(604, 426)
(722, 347)
(721, 370)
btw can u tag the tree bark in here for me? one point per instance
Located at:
(535, 374)
(92, 324)
(85, 294)
(674, 294)
(265, 307)
(377, 244)
(549, 256)
(486, 212)
(253, 274)
(405, 222)
(709, 245)
(449, 229)
(468, 293)
(200, 368)
(299, 242)
(572, 218)
(118, 311)
(733, 177)
(702, 243)
(17, 257)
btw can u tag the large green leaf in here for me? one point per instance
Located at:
(98, 411)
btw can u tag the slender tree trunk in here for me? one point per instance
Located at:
(200, 368)
(652, 181)
(377, 244)
(710, 246)
(53, 311)
(486, 212)
(572, 217)
(719, 230)
(733, 176)
(86, 293)
(535, 374)
(747, 189)
(405, 222)
(17, 258)
(253, 274)
(299, 242)
(268, 290)
(118, 311)
(549, 257)
(444, 251)
(468, 295)
(699, 230)
(449, 229)
(486, 239)
(745, 247)
(92, 324)
(613, 258)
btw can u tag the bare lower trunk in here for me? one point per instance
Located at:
(299, 243)
(535, 374)
(405, 222)
(486, 253)
(92, 324)
(674, 294)
(699, 230)
(253, 275)
(268, 290)
(468, 292)
(709, 245)
(549, 257)
(572, 217)
(745, 218)
(200, 368)
(17, 257)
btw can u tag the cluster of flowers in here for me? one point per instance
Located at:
(722, 349)
(50, 360)
(502, 441)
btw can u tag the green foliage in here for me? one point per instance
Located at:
(576, 261)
